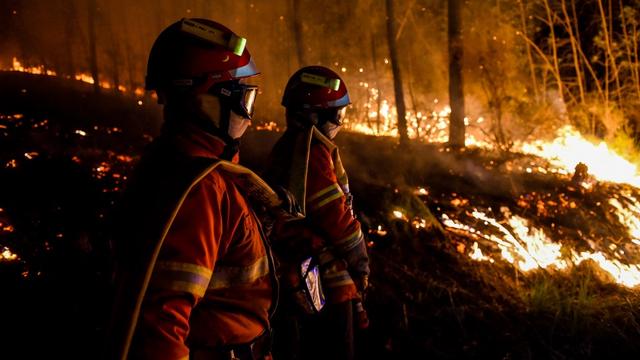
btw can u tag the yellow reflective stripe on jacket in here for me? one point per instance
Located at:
(330, 188)
(325, 196)
(228, 276)
(179, 276)
(351, 241)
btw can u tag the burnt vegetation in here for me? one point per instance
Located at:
(530, 68)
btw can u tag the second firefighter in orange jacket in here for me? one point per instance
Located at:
(306, 162)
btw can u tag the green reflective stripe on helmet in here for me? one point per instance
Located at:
(333, 84)
(235, 43)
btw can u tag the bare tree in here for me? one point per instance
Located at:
(456, 91)
(374, 63)
(297, 31)
(93, 55)
(397, 76)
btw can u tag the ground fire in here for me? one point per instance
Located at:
(522, 243)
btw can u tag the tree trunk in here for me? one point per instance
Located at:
(70, 29)
(456, 93)
(374, 62)
(93, 55)
(532, 69)
(297, 32)
(397, 77)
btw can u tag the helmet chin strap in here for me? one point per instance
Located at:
(216, 123)
(232, 146)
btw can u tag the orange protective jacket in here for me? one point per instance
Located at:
(308, 164)
(194, 269)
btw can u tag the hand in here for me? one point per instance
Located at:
(362, 283)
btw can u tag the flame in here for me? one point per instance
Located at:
(476, 254)
(570, 148)
(17, 66)
(629, 216)
(430, 126)
(529, 248)
(564, 152)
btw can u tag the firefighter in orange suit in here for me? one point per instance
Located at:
(194, 277)
(306, 162)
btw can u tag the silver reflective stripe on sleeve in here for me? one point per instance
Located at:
(228, 276)
(179, 276)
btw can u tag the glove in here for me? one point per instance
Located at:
(289, 202)
(362, 283)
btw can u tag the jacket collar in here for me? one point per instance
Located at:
(194, 141)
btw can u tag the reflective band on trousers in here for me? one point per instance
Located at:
(178, 276)
(335, 278)
(325, 196)
(228, 276)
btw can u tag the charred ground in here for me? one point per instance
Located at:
(65, 155)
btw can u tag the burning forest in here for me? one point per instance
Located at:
(492, 149)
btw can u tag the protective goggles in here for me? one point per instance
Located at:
(241, 97)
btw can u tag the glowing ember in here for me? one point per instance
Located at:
(378, 231)
(7, 255)
(124, 158)
(102, 170)
(31, 155)
(270, 126)
(398, 214)
(419, 223)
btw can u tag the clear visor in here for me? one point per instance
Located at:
(248, 99)
(340, 116)
(240, 97)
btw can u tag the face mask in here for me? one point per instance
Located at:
(237, 125)
(209, 107)
(330, 129)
